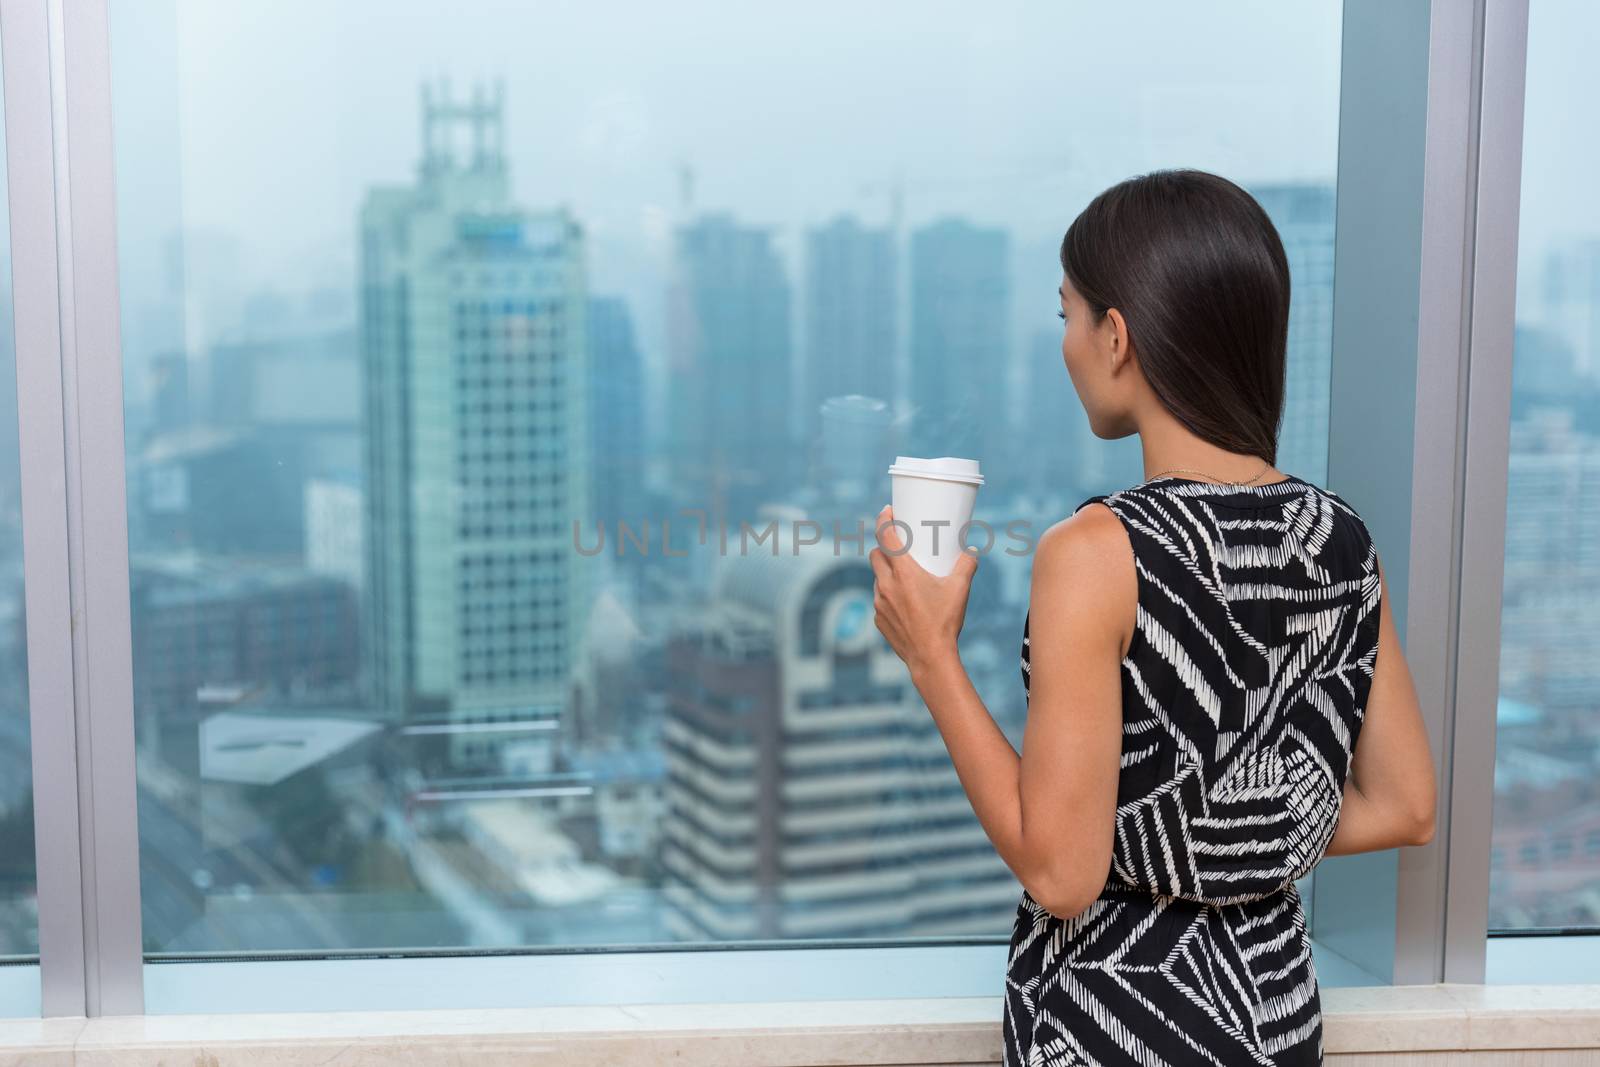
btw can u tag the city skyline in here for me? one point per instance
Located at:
(275, 317)
(476, 377)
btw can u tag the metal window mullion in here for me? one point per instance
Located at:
(1396, 408)
(25, 40)
(97, 517)
(1438, 443)
(1428, 186)
(1486, 469)
(1466, 310)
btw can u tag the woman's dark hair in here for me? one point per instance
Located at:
(1198, 272)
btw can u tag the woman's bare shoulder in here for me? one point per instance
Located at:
(1093, 534)
(1083, 566)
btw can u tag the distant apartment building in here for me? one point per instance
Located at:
(211, 633)
(808, 793)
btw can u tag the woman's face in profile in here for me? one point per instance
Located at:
(1078, 349)
(1087, 350)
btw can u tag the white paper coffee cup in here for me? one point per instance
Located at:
(933, 498)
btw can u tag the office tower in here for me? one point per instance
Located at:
(1303, 215)
(335, 518)
(1546, 830)
(960, 341)
(850, 317)
(616, 424)
(808, 793)
(1569, 301)
(1058, 455)
(474, 314)
(1054, 451)
(169, 389)
(729, 372)
(609, 692)
(1551, 607)
(1544, 373)
(856, 444)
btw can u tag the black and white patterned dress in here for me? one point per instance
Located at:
(1242, 694)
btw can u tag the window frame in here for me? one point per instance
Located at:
(1421, 210)
(75, 541)
(1431, 213)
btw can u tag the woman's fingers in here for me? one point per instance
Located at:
(888, 532)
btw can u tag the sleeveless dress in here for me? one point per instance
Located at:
(1242, 696)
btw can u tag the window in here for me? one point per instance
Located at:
(630, 249)
(19, 922)
(1547, 757)
(383, 341)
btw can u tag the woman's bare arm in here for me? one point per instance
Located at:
(1082, 601)
(1051, 811)
(1389, 795)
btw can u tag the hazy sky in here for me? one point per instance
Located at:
(785, 111)
(276, 117)
(259, 126)
(1561, 149)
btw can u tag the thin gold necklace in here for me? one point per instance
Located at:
(1223, 481)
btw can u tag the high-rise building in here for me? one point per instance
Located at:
(1551, 600)
(1546, 829)
(1059, 455)
(730, 367)
(856, 439)
(1569, 301)
(616, 407)
(1303, 216)
(474, 314)
(1544, 372)
(335, 518)
(960, 340)
(850, 317)
(808, 793)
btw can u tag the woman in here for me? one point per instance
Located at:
(1216, 693)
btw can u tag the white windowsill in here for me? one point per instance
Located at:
(578, 979)
(912, 1031)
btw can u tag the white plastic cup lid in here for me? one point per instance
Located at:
(945, 468)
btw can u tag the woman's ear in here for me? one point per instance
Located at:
(1118, 345)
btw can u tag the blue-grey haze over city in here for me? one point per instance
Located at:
(405, 297)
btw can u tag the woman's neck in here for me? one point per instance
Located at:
(1177, 450)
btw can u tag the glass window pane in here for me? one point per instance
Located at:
(388, 336)
(19, 912)
(1545, 861)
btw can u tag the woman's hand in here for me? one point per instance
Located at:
(919, 613)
